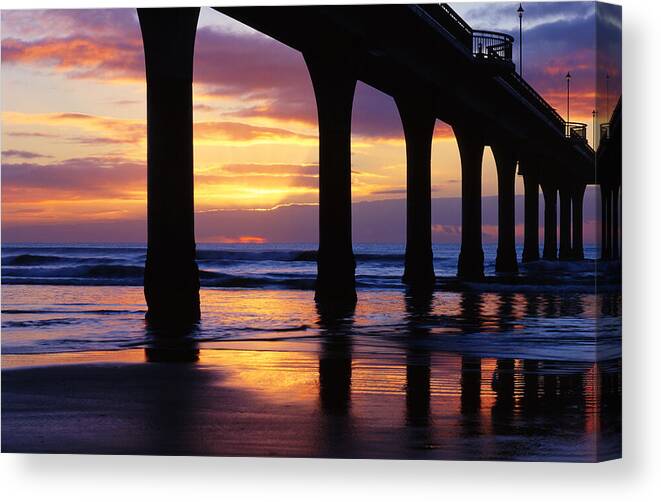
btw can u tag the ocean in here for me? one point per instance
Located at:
(526, 370)
(89, 297)
(284, 266)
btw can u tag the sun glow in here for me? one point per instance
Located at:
(74, 123)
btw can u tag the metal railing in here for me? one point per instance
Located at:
(525, 89)
(444, 15)
(497, 47)
(576, 130)
(489, 45)
(492, 45)
(605, 131)
(461, 27)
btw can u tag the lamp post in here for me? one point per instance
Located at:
(607, 80)
(520, 12)
(568, 77)
(594, 129)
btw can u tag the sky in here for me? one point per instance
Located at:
(74, 128)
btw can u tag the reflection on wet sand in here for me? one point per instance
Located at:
(176, 344)
(335, 361)
(335, 379)
(168, 420)
(418, 359)
(471, 376)
(529, 402)
(342, 393)
(418, 419)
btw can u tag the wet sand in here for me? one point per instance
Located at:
(414, 404)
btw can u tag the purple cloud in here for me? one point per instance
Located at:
(23, 154)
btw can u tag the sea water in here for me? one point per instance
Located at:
(525, 369)
(59, 298)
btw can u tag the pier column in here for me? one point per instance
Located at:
(418, 122)
(471, 256)
(615, 219)
(605, 242)
(506, 169)
(578, 193)
(334, 85)
(171, 275)
(608, 195)
(550, 192)
(565, 223)
(531, 211)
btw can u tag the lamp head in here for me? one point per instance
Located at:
(520, 11)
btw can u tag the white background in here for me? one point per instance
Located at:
(636, 477)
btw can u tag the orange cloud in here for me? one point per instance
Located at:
(259, 181)
(237, 132)
(111, 130)
(77, 179)
(272, 169)
(79, 57)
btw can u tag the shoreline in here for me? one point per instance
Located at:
(515, 283)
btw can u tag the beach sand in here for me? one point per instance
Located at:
(300, 404)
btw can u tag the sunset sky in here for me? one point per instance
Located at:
(74, 134)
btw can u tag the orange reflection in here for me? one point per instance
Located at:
(62, 358)
(277, 376)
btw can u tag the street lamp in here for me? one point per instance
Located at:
(594, 129)
(520, 11)
(568, 77)
(607, 80)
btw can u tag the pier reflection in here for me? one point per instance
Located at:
(530, 401)
(418, 357)
(335, 378)
(505, 313)
(472, 312)
(172, 344)
(171, 411)
(471, 401)
(335, 359)
(502, 383)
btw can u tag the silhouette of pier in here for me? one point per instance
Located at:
(435, 66)
(609, 160)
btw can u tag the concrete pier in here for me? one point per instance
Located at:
(577, 196)
(418, 122)
(550, 192)
(471, 256)
(171, 274)
(506, 160)
(334, 85)
(501, 112)
(607, 211)
(615, 222)
(565, 251)
(531, 211)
